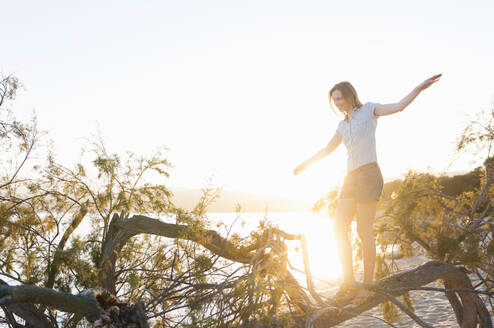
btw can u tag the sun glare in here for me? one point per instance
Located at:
(323, 255)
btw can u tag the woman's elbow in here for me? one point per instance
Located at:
(398, 107)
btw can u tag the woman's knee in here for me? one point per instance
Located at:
(341, 228)
(365, 220)
(365, 233)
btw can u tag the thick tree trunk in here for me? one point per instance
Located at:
(122, 228)
(97, 305)
(471, 310)
(29, 313)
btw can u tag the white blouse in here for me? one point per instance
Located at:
(359, 136)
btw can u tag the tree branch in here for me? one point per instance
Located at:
(61, 245)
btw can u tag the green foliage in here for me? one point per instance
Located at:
(328, 202)
(181, 282)
(9, 85)
(478, 135)
(450, 218)
(447, 226)
(202, 263)
(461, 183)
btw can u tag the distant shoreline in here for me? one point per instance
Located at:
(260, 203)
(250, 203)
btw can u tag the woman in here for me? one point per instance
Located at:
(363, 183)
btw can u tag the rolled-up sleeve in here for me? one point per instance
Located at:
(369, 110)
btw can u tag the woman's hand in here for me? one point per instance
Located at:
(427, 83)
(299, 169)
(388, 109)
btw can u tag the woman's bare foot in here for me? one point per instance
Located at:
(345, 294)
(361, 297)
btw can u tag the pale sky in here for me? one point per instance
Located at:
(238, 89)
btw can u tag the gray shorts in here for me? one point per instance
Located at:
(363, 184)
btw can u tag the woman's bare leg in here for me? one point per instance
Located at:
(366, 213)
(345, 212)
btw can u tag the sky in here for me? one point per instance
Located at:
(237, 90)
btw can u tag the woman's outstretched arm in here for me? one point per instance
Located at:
(388, 109)
(333, 143)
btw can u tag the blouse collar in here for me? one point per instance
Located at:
(354, 110)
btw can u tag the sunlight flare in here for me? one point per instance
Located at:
(321, 244)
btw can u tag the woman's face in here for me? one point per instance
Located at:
(341, 103)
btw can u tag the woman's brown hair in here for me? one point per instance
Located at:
(348, 92)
